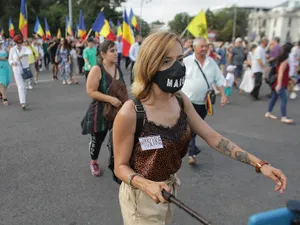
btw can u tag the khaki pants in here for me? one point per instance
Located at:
(139, 209)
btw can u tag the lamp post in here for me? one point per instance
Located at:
(141, 20)
(70, 13)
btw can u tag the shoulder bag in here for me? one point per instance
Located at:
(26, 72)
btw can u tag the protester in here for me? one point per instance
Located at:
(258, 66)
(79, 51)
(223, 61)
(119, 45)
(74, 64)
(236, 58)
(98, 81)
(46, 53)
(196, 86)
(90, 57)
(63, 58)
(150, 166)
(281, 84)
(53, 49)
(18, 59)
(188, 48)
(5, 72)
(247, 83)
(38, 63)
(133, 53)
(33, 56)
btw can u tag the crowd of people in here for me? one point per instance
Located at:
(175, 89)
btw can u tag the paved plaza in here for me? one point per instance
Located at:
(44, 162)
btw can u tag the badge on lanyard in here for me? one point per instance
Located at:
(150, 143)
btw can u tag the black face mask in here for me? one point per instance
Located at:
(170, 80)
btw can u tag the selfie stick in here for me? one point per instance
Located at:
(172, 199)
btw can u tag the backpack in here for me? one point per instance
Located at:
(140, 114)
(271, 78)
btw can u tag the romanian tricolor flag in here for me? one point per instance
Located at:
(58, 33)
(48, 34)
(101, 25)
(81, 27)
(111, 24)
(127, 37)
(68, 27)
(119, 33)
(1, 32)
(11, 28)
(133, 20)
(23, 21)
(38, 29)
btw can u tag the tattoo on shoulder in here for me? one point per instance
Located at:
(242, 156)
(224, 147)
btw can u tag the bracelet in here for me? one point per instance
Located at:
(130, 178)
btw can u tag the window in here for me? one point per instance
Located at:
(290, 22)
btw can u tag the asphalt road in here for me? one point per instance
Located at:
(44, 163)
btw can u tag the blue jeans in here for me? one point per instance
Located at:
(193, 149)
(283, 96)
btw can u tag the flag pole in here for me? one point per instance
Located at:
(90, 31)
(182, 34)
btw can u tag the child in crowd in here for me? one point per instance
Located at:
(229, 80)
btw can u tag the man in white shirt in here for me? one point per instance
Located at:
(133, 53)
(119, 49)
(195, 86)
(259, 62)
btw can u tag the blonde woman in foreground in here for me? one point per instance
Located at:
(151, 165)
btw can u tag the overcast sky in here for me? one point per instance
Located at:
(165, 10)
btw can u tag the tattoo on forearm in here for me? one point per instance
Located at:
(224, 147)
(242, 156)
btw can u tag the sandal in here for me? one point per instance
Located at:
(270, 116)
(287, 121)
(4, 101)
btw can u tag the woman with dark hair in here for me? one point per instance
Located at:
(63, 58)
(279, 89)
(99, 80)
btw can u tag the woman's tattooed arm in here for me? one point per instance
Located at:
(230, 149)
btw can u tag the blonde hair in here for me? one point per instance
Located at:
(152, 53)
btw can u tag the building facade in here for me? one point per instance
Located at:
(282, 21)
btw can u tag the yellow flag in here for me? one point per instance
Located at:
(198, 27)
(58, 33)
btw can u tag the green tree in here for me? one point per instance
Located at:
(144, 27)
(180, 22)
(56, 11)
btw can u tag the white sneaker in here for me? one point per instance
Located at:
(64, 82)
(293, 95)
(297, 87)
(30, 87)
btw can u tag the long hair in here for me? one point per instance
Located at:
(65, 45)
(284, 52)
(151, 56)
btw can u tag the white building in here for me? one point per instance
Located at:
(282, 21)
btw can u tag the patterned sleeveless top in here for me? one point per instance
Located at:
(94, 120)
(158, 164)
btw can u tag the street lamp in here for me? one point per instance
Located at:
(142, 3)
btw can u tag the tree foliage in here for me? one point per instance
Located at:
(220, 21)
(56, 11)
(180, 22)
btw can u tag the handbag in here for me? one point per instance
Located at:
(118, 90)
(211, 92)
(26, 72)
(271, 77)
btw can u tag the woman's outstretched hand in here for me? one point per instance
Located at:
(276, 175)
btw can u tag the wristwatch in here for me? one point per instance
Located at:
(260, 164)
